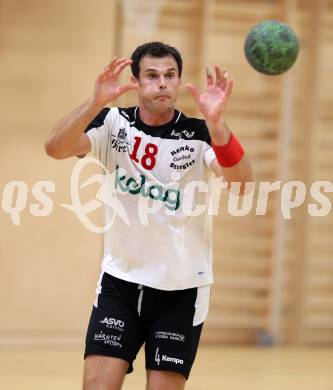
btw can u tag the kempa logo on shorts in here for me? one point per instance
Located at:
(166, 358)
(112, 321)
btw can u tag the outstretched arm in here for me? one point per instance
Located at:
(212, 104)
(67, 138)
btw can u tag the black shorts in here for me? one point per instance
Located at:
(127, 315)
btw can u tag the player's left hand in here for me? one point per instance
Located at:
(212, 101)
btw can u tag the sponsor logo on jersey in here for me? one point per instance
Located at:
(131, 122)
(108, 339)
(160, 334)
(182, 134)
(119, 142)
(170, 196)
(180, 160)
(166, 358)
(185, 148)
(157, 357)
(112, 321)
(125, 114)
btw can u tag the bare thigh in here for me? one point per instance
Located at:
(104, 373)
(165, 380)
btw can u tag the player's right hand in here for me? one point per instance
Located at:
(107, 87)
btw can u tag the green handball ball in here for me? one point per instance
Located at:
(271, 47)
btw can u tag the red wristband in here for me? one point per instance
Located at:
(230, 154)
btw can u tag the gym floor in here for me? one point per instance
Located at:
(216, 368)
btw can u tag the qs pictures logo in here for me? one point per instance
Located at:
(105, 196)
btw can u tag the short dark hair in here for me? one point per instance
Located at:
(154, 49)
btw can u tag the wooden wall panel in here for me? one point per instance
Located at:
(317, 318)
(306, 317)
(243, 245)
(51, 53)
(172, 28)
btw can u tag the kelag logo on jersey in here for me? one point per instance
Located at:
(170, 196)
(120, 143)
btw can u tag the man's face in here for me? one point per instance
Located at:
(159, 84)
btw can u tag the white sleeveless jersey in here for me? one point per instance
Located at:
(158, 180)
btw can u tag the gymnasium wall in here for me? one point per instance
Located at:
(273, 277)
